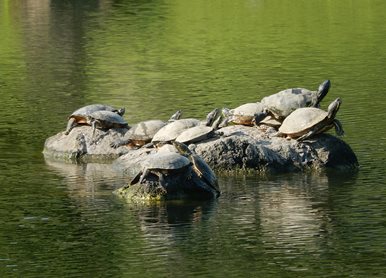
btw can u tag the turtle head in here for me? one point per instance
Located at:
(182, 148)
(121, 111)
(211, 117)
(176, 116)
(333, 108)
(226, 112)
(323, 89)
(260, 116)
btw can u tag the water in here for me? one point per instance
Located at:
(155, 57)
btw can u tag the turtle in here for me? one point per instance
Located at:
(283, 103)
(105, 120)
(201, 132)
(170, 131)
(200, 167)
(247, 114)
(308, 121)
(142, 132)
(162, 164)
(79, 116)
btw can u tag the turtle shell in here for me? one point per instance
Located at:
(195, 134)
(244, 114)
(302, 120)
(285, 102)
(170, 131)
(145, 130)
(107, 119)
(165, 161)
(89, 109)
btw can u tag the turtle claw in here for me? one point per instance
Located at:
(116, 144)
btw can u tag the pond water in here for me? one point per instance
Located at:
(154, 57)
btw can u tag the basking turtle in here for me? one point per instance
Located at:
(283, 103)
(308, 121)
(201, 132)
(142, 132)
(170, 131)
(79, 116)
(247, 114)
(105, 120)
(200, 167)
(161, 164)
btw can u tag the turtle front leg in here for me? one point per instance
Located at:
(94, 124)
(307, 135)
(162, 182)
(338, 127)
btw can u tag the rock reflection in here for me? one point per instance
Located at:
(88, 180)
(167, 222)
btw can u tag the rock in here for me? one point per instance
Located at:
(178, 187)
(239, 148)
(251, 148)
(78, 146)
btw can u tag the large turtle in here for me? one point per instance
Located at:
(247, 114)
(203, 131)
(143, 132)
(162, 164)
(200, 167)
(283, 103)
(79, 116)
(306, 122)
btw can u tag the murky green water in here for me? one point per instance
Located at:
(155, 57)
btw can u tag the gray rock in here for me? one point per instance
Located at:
(239, 148)
(251, 148)
(79, 146)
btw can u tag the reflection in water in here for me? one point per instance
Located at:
(288, 220)
(86, 180)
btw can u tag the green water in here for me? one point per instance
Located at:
(155, 57)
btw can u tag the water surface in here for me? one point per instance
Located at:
(155, 57)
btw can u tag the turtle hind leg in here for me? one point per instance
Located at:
(70, 125)
(119, 142)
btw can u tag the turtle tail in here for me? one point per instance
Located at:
(70, 125)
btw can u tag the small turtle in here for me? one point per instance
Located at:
(161, 164)
(247, 114)
(79, 116)
(199, 132)
(308, 121)
(105, 120)
(200, 167)
(142, 133)
(283, 103)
